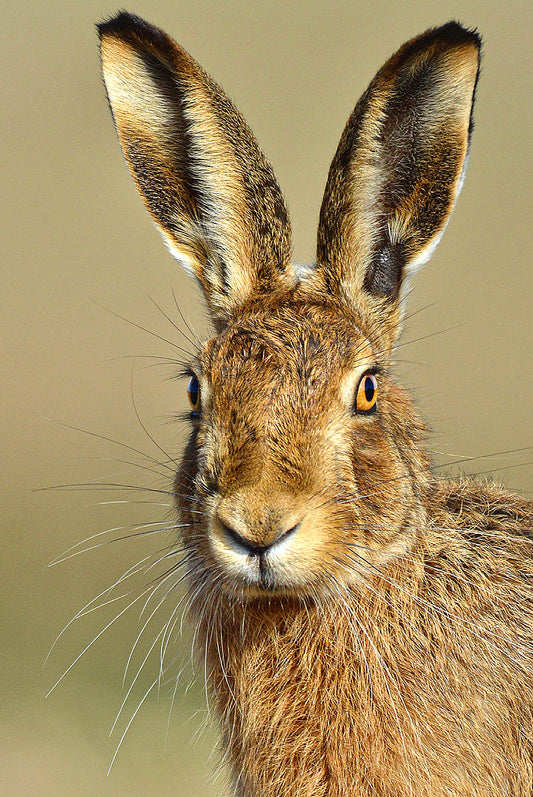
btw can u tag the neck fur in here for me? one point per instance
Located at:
(309, 693)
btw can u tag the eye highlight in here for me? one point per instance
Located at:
(193, 393)
(367, 395)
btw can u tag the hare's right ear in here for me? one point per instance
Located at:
(397, 171)
(198, 168)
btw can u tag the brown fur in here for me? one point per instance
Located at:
(366, 626)
(389, 674)
(412, 684)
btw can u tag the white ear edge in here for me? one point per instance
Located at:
(425, 254)
(462, 177)
(185, 261)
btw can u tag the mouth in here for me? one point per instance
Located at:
(254, 577)
(261, 591)
(259, 567)
(266, 577)
(258, 576)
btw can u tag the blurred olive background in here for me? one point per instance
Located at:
(78, 244)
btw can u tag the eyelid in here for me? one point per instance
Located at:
(187, 372)
(372, 370)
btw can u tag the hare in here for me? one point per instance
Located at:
(367, 625)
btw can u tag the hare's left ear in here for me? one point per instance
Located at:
(398, 170)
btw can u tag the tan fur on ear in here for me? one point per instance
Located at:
(198, 168)
(399, 166)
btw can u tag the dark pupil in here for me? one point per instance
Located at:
(369, 389)
(193, 391)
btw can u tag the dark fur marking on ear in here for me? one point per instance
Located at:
(400, 138)
(140, 34)
(187, 198)
(197, 165)
(384, 275)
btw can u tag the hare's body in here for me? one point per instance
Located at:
(367, 628)
(409, 669)
(419, 684)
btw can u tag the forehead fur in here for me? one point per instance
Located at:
(276, 377)
(312, 341)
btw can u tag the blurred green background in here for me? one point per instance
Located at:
(77, 240)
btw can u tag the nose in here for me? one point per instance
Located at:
(246, 545)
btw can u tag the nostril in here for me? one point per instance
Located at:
(241, 541)
(285, 534)
(247, 545)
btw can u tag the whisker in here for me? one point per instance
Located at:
(103, 486)
(133, 536)
(429, 469)
(140, 530)
(94, 639)
(187, 324)
(126, 501)
(131, 571)
(105, 438)
(152, 593)
(143, 425)
(139, 465)
(129, 724)
(134, 681)
(168, 360)
(167, 635)
(171, 321)
(144, 329)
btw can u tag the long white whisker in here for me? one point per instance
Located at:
(142, 529)
(139, 635)
(94, 639)
(119, 745)
(134, 681)
(133, 570)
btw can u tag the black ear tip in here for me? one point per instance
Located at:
(122, 23)
(454, 33)
(450, 36)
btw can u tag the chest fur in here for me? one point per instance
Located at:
(329, 701)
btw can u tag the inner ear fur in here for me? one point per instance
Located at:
(197, 166)
(398, 168)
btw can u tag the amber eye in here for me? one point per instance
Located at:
(367, 395)
(193, 392)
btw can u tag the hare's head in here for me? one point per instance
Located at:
(302, 448)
